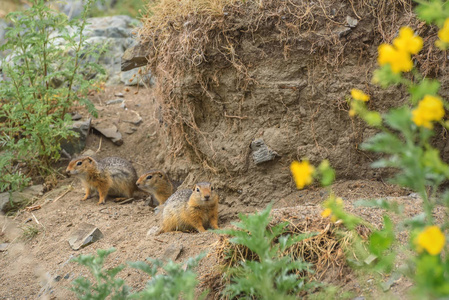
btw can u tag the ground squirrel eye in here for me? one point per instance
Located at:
(198, 190)
(149, 177)
(79, 163)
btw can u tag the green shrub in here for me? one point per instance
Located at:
(45, 76)
(274, 275)
(167, 281)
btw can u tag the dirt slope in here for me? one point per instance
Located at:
(40, 268)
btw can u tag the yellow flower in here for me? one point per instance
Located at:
(400, 61)
(429, 109)
(431, 239)
(326, 213)
(407, 41)
(302, 173)
(352, 113)
(443, 33)
(359, 95)
(339, 201)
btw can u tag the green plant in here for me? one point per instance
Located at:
(404, 139)
(274, 275)
(29, 232)
(168, 281)
(105, 283)
(44, 78)
(175, 281)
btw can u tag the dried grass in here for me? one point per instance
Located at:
(326, 251)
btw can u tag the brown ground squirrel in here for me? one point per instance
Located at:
(157, 184)
(191, 209)
(109, 176)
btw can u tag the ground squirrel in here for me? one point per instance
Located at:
(157, 184)
(191, 209)
(109, 176)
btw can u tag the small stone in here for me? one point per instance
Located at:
(370, 259)
(115, 101)
(123, 105)
(67, 276)
(18, 199)
(261, 152)
(172, 252)
(58, 278)
(110, 131)
(89, 152)
(119, 95)
(85, 235)
(351, 21)
(132, 117)
(153, 231)
(77, 117)
(4, 247)
(386, 286)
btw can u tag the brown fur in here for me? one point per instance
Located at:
(157, 184)
(191, 209)
(109, 176)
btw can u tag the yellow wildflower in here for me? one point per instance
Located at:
(302, 173)
(359, 95)
(400, 61)
(431, 239)
(429, 109)
(339, 201)
(326, 213)
(407, 41)
(352, 113)
(443, 33)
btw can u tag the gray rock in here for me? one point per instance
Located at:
(386, 286)
(133, 77)
(18, 199)
(172, 252)
(74, 145)
(77, 117)
(131, 116)
(153, 231)
(261, 152)
(110, 131)
(4, 247)
(351, 21)
(89, 152)
(115, 101)
(85, 235)
(135, 57)
(119, 95)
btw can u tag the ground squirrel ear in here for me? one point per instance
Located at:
(194, 187)
(89, 159)
(160, 174)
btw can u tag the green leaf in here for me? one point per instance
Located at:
(385, 77)
(400, 119)
(425, 87)
(383, 142)
(327, 173)
(381, 240)
(435, 11)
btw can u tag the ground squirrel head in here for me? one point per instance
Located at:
(203, 191)
(80, 165)
(152, 181)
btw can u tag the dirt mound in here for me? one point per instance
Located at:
(231, 72)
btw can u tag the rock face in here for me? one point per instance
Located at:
(114, 33)
(84, 235)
